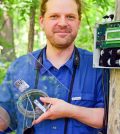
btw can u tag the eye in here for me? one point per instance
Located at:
(53, 17)
(70, 17)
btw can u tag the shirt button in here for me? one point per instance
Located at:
(54, 127)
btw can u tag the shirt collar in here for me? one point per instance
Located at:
(47, 64)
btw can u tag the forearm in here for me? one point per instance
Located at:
(4, 119)
(90, 116)
(61, 109)
(2, 125)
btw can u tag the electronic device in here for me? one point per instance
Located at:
(39, 105)
(107, 45)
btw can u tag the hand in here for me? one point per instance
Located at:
(58, 109)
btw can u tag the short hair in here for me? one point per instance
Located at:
(44, 2)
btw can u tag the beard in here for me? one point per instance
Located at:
(62, 37)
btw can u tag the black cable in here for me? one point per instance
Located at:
(69, 99)
(38, 67)
(76, 63)
(105, 74)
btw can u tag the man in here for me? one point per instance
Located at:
(84, 111)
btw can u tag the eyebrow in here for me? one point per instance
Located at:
(57, 13)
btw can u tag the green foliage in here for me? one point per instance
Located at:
(3, 69)
(2, 74)
(4, 43)
(21, 6)
(93, 11)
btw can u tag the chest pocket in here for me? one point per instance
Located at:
(83, 99)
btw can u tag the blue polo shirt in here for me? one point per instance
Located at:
(87, 90)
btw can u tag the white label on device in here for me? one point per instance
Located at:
(37, 103)
(21, 85)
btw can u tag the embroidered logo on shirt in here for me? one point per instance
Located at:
(76, 98)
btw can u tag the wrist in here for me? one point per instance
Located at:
(73, 111)
(70, 110)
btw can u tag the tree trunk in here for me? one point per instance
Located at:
(7, 37)
(31, 29)
(114, 100)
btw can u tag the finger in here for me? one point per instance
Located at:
(48, 100)
(43, 117)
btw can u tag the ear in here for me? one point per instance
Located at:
(41, 20)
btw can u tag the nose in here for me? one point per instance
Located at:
(62, 21)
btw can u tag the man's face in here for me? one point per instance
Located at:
(60, 22)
